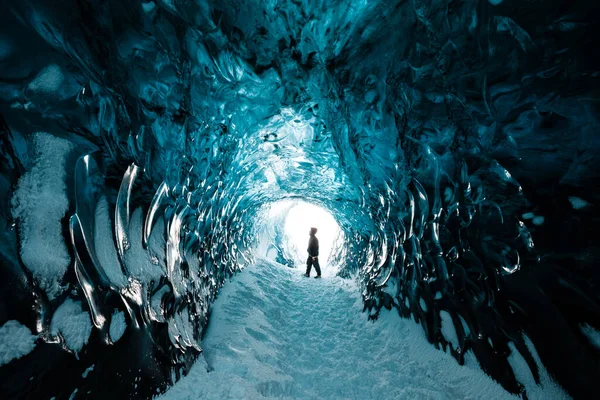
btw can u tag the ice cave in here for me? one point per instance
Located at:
(162, 162)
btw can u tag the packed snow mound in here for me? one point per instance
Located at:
(16, 341)
(275, 334)
(117, 326)
(40, 203)
(73, 324)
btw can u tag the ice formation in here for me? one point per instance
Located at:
(151, 150)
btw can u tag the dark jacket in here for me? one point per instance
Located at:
(313, 246)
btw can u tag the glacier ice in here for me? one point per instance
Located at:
(144, 144)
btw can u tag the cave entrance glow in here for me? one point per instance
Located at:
(284, 235)
(300, 218)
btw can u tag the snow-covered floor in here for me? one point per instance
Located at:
(276, 334)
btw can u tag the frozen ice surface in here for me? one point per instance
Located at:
(40, 203)
(73, 324)
(16, 341)
(275, 334)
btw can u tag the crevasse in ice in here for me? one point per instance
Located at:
(143, 144)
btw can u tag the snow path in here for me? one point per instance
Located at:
(276, 334)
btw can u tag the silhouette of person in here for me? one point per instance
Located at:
(313, 254)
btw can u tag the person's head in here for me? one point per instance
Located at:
(313, 231)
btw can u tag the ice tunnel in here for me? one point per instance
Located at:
(155, 153)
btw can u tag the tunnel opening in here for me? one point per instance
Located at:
(283, 236)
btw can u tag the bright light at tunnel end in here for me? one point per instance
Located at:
(298, 222)
(297, 217)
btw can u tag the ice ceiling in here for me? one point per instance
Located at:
(454, 142)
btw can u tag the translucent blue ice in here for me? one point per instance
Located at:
(455, 143)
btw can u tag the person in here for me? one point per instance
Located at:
(313, 254)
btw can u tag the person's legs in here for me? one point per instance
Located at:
(309, 263)
(317, 266)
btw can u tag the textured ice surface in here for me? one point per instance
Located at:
(16, 341)
(40, 203)
(449, 140)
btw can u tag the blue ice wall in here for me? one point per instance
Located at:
(455, 142)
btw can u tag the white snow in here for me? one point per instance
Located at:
(538, 220)
(423, 304)
(448, 330)
(548, 389)
(139, 262)
(40, 203)
(73, 324)
(275, 334)
(464, 325)
(578, 203)
(149, 6)
(117, 326)
(16, 341)
(448, 194)
(592, 334)
(49, 80)
(87, 371)
(6, 47)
